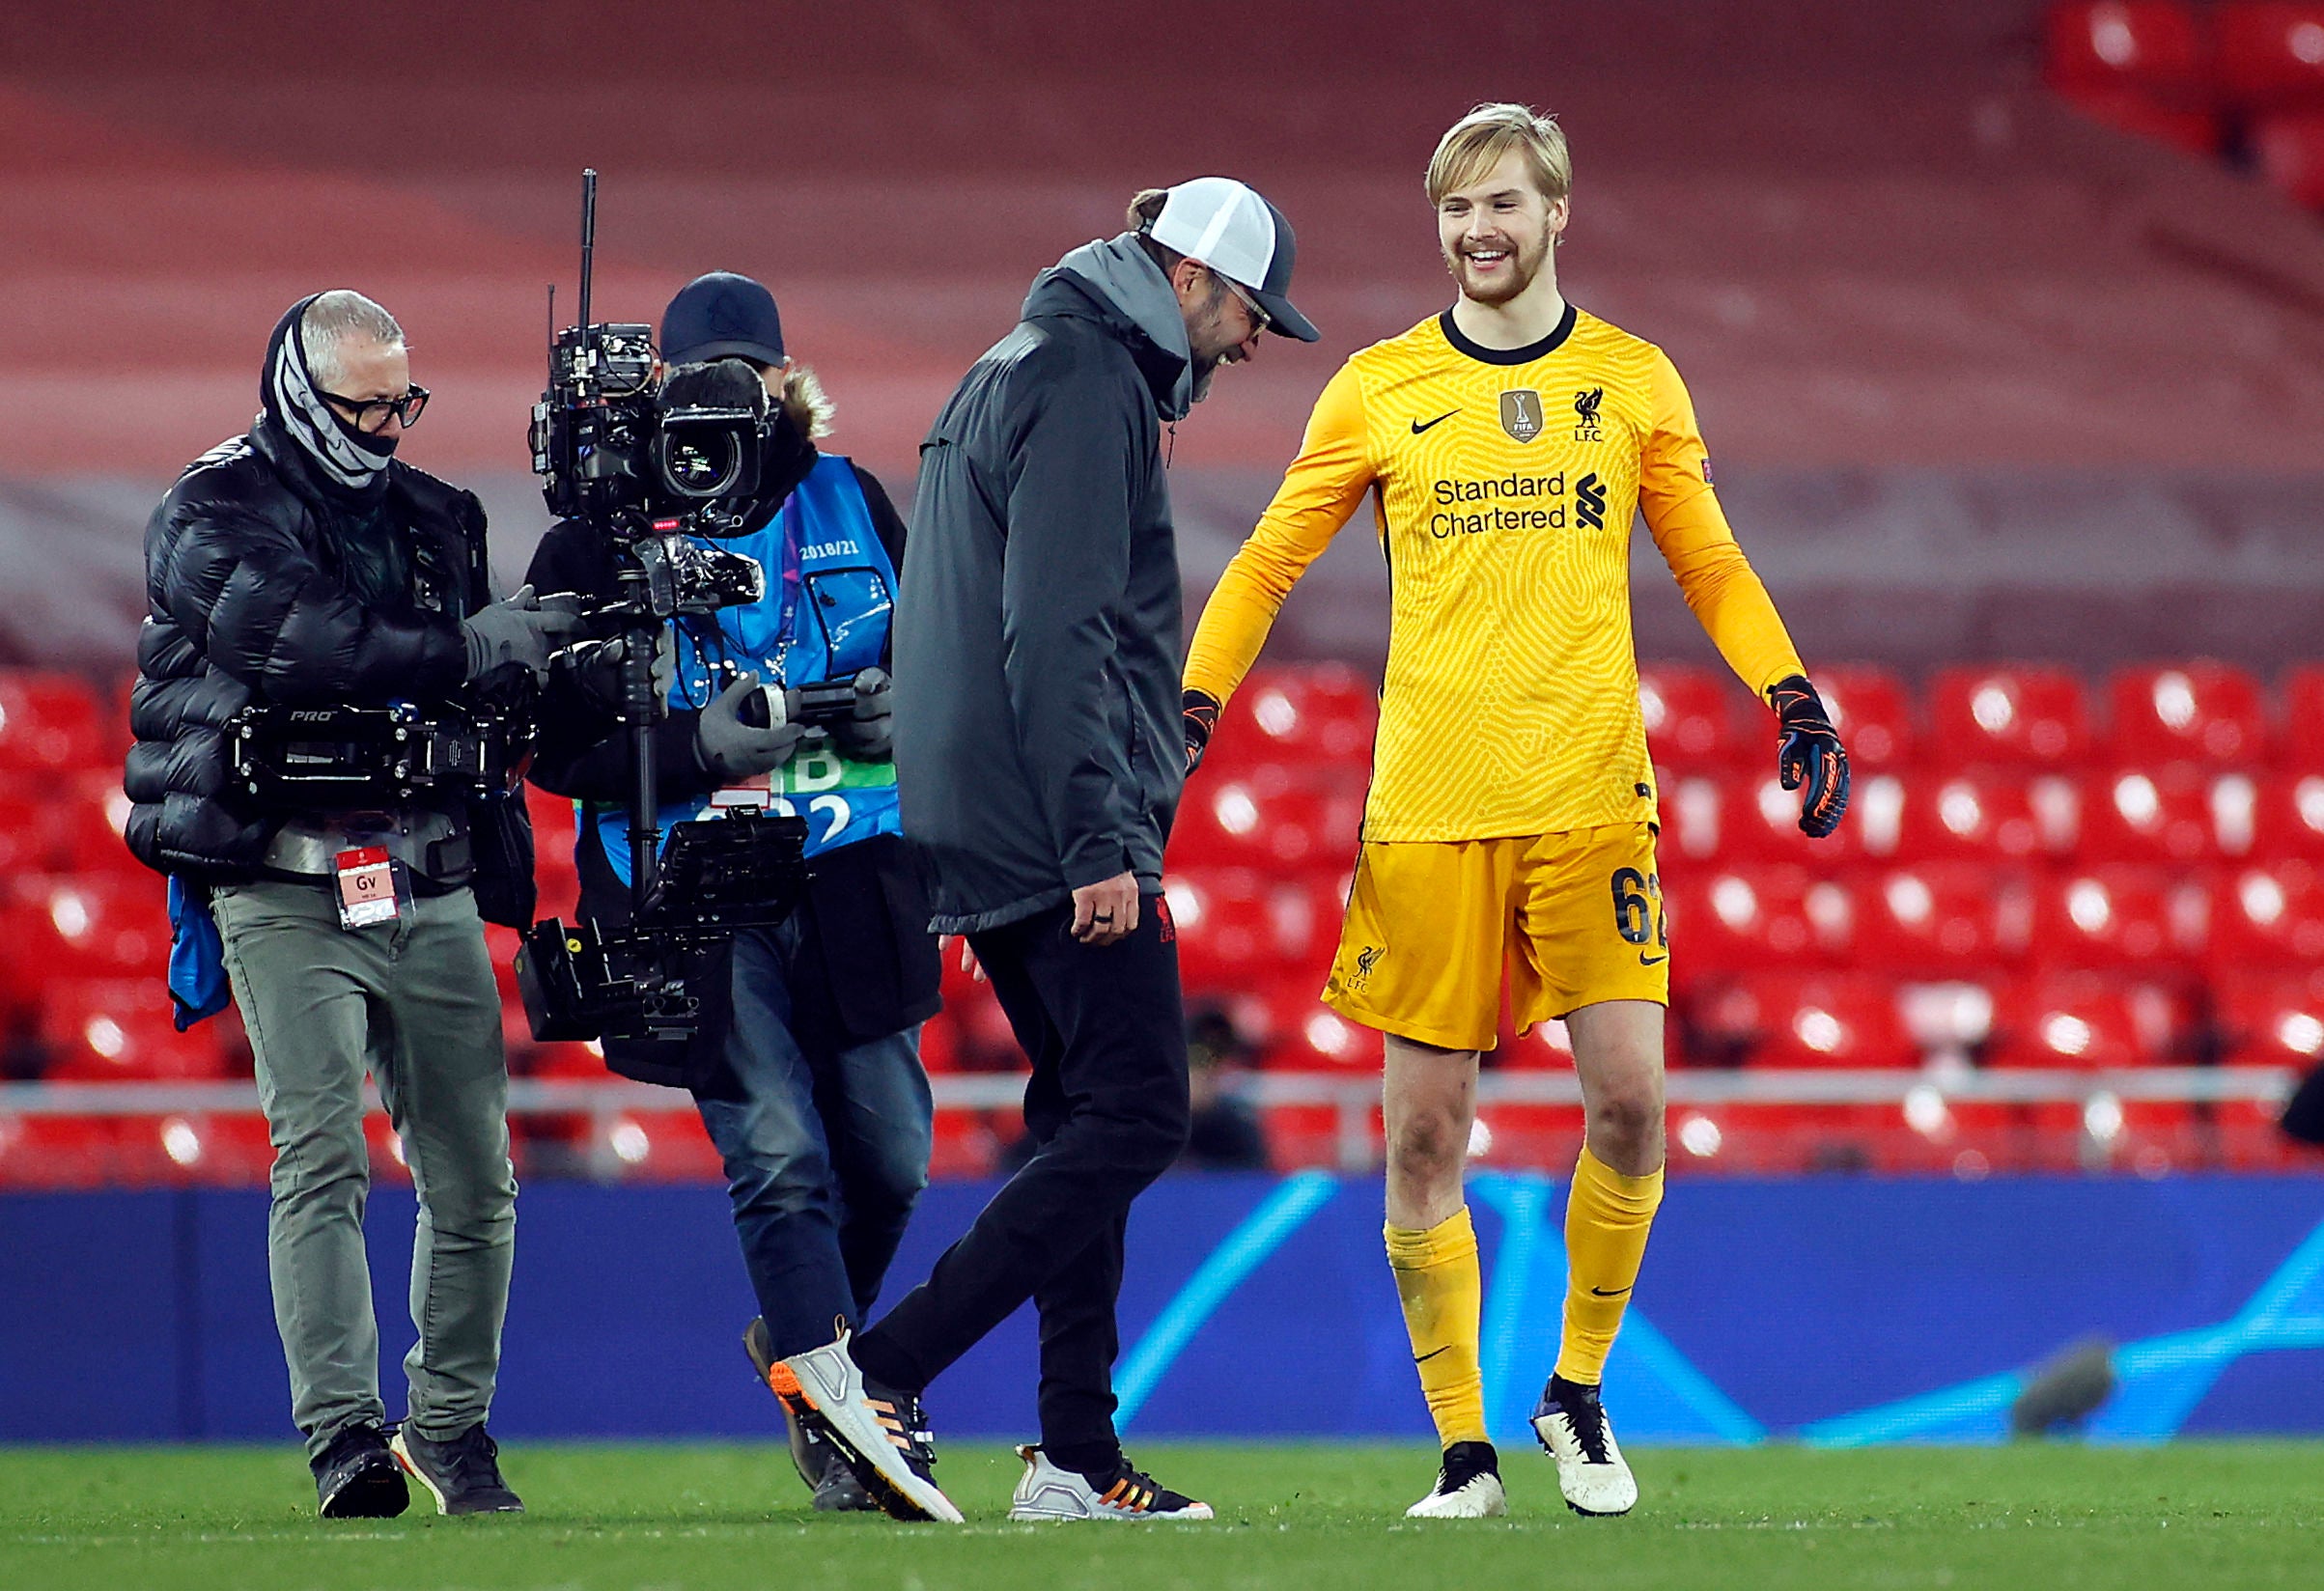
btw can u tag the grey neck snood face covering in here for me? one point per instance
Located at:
(347, 458)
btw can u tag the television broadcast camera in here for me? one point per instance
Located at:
(651, 461)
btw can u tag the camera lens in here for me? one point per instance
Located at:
(701, 464)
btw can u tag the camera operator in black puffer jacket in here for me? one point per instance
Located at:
(302, 565)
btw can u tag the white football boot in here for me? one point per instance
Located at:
(1469, 1486)
(1046, 1492)
(1572, 1425)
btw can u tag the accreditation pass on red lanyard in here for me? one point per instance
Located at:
(371, 887)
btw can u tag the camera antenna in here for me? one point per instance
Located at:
(588, 235)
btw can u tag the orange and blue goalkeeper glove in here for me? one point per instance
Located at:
(1201, 709)
(1808, 752)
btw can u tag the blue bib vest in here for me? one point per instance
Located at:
(830, 593)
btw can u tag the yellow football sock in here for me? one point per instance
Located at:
(1443, 1297)
(1606, 1222)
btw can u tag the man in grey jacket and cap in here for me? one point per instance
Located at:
(1039, 747)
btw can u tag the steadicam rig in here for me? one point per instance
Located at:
(652, 461)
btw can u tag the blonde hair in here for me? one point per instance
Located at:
(1475, 144)
(811, 410)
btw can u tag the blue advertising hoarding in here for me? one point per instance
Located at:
(1831, 1309)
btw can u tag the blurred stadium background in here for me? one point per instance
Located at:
(2004, 320)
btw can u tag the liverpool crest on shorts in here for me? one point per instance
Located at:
(1521, 413)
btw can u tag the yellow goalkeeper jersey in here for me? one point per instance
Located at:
(1503, 483)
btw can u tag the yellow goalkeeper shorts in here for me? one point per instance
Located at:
(1577, 918)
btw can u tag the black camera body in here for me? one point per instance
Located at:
(621, 446)
(367, 758)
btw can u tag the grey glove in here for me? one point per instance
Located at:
(520, 628)
(730, 748)
(596, 666)
(870, 735)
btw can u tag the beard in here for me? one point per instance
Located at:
(1205, 367)
(1525, 265)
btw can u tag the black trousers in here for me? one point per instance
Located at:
(1105, 1031)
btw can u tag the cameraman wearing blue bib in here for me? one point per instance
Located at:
(805, 1066)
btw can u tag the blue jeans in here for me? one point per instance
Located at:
(826, 1151)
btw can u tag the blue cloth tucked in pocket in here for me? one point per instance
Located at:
(198, 986)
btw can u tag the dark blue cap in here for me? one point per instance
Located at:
(722, 316)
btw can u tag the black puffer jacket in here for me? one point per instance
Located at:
(247, 601)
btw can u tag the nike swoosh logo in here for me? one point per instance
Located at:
(1418, 428)
(1645, 959)
(1600, 1293)
(1423, 1359)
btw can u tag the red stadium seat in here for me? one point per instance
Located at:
(2290, 151)
(1307, 1137)
(966, 1144)
(2150, 47)
(2200, 713)
(1299, 1033)
(91, 813)
(28, 831)
(108, 1030)
(1762, 821)
(2081, 1021)
(2151, 814)
(1238, 929)
(1701, 814)
(1941, 919)
(2026, 714)
(91, 926)
(52, 723)
(1320, 714)
(1690, 717)
(59, 1152)
(658, 1146)
(2269, 915)
(2271, 52)
(1750, 918)
(2271, 1020)
(209, 1150)
(1811, 1019)
(1874, 712)
(1267, 818)
(2139, 66)
(2303, 719)
(1543, 1138)
(1994, 815)
(2115, 917)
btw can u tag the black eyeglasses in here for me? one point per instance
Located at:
(370, 414)
(1260, 320)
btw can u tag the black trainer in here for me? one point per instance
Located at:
(819, 1463)
(461, 1473)
(356, 1478)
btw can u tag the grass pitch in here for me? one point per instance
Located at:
(1307, 1518)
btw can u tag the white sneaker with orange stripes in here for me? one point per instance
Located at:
(882, 1433)
(1047, 1493)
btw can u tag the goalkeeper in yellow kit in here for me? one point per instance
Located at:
(1505, 444)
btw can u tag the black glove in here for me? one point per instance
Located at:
(1201, 709)
(730, 748)
(870, 735)
(520, 629)
(1808, 751)
(596, 667)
